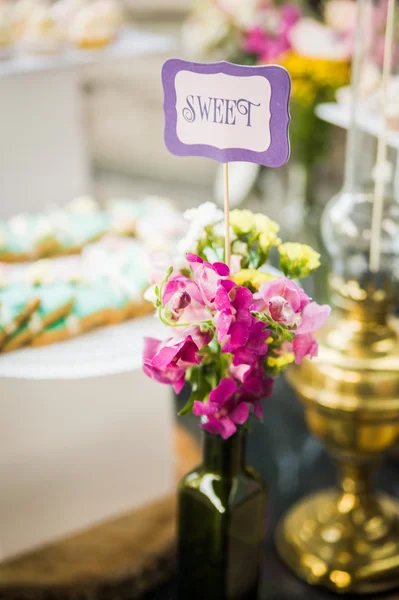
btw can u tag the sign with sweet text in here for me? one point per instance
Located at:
(227, 112)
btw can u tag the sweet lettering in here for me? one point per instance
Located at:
(219, 110)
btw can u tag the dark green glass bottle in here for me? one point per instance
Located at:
(221, 522)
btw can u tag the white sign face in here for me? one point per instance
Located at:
(223, 111)
(227, 112)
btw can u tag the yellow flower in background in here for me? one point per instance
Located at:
(265, 225)
(252, 278)
(242, 221)
(268, 232)
(314, 76)
(267, 240)
(298, 260)
(280, 362)
(304, 91)
(245, 222)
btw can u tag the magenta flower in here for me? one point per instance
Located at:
(284, 288)
(282, 300)
(256, 41)
(290, 14)
(200, 338)
(181, 283)
(224, 411)
(255, 346)
(183, 299)
(271, 40)
(166, 362)
(256, 387)
(207, 276)
(304, 345)
(176, 305)
(314, 316)
(233, 317)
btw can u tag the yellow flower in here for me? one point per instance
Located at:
(304, 91)
(267, 230)
(280, 362)
(265, 225)
(242, 221)
(298, 260)
(252, 278)
(311, 75)
(267, 240)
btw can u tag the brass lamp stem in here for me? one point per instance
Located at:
(356, 476)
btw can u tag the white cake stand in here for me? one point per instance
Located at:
(106, 351)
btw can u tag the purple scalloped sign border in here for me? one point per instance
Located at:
(277, 153)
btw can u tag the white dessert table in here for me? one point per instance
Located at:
(43, 155)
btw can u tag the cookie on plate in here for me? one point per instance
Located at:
(17, 303)
(56, 301)
(95, 305)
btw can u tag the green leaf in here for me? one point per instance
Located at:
(188, 407)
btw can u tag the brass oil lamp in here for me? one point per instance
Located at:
(347, 538)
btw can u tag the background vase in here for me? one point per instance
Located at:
(221, 520)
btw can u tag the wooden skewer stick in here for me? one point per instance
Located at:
(380, 176)
(226, 214)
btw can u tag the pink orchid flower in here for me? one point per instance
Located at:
(183, 298)
(222, 410)
(314, 316)
(282, 300)
(181, 283)
(256, 345)
(166, 362)
(256, 387)
(304, 345)
(207, 276)
(233, 317)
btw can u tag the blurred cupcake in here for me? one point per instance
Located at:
(96, 25)
(42, 34)
(83, 205)
(6, 30)
(65, 11)
(23, 10)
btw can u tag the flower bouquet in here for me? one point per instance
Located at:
(231, 331)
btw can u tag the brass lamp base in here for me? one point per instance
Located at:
(332, 540)
(348, 539)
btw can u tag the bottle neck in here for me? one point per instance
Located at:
(226, 457)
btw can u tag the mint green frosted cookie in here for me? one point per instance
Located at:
(73, 230)
(56, 301)
(17, 303)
